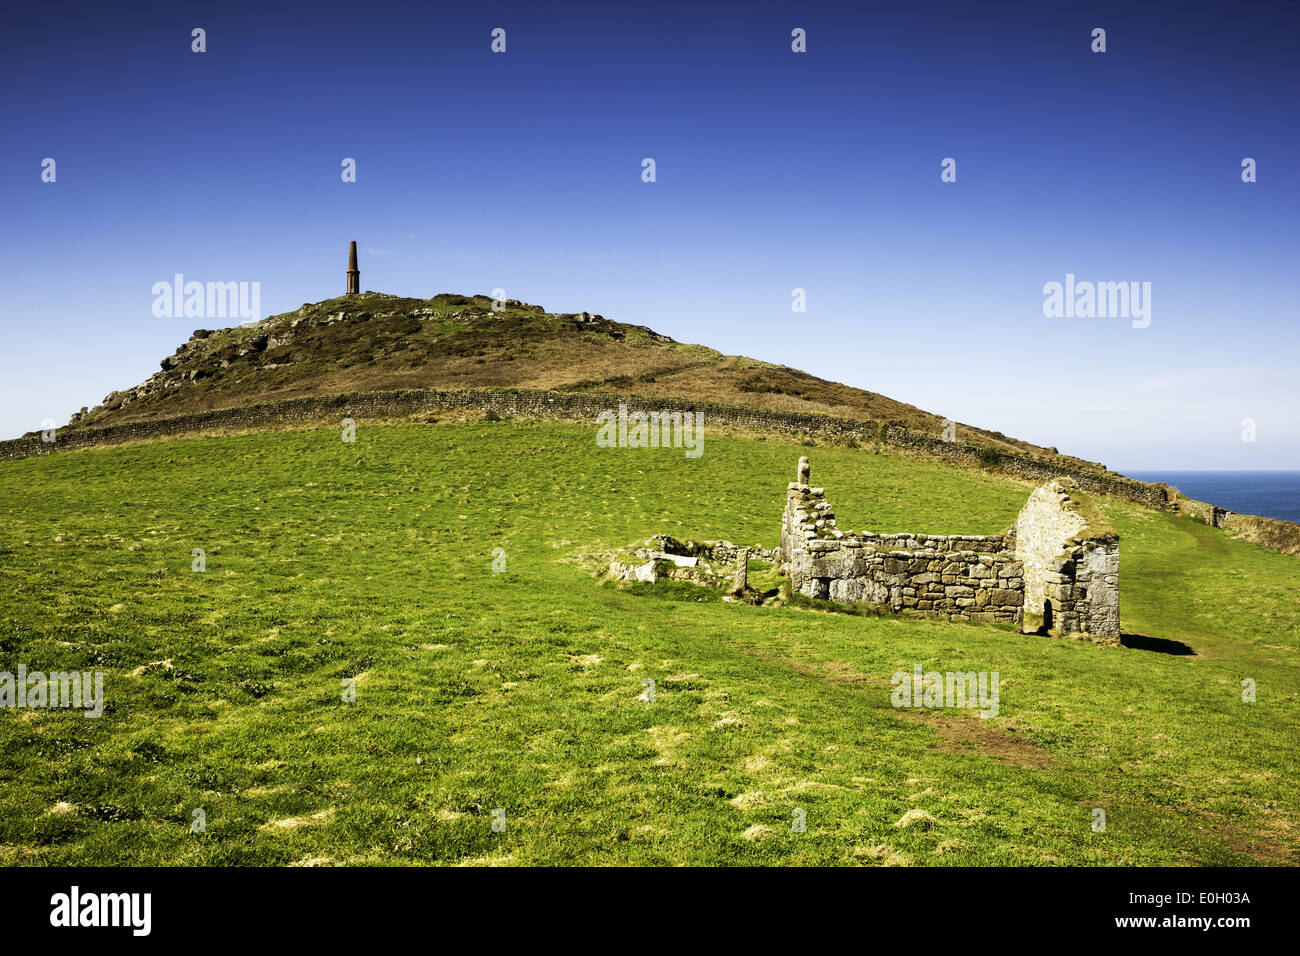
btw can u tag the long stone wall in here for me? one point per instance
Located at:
(1283, 536)
(573, 406)
(1272, 533)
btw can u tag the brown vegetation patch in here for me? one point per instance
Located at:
(975, 735)
(836, 673)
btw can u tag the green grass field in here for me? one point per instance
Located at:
(520, 690)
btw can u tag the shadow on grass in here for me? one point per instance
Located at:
(1159, 644)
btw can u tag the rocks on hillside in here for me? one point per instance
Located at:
(210, 352)
(710, 563)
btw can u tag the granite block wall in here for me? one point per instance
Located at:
(1054, 570)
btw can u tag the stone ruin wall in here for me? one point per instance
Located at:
(1071, 574)
(724, 552)
(1006, 578)
(702, 562)
(965, 577)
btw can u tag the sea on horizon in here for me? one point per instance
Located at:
(1269, 494)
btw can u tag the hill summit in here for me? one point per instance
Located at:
(376, 341)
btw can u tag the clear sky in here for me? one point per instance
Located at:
(775, 170)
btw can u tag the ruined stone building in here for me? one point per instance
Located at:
(1056, 570)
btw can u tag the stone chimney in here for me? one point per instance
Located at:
(354, 274)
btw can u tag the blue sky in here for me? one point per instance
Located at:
(775, 170)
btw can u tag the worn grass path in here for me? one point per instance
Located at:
(521, 690)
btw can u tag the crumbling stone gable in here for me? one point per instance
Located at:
(963, 577)
(1071, 560)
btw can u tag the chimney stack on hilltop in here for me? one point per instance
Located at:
(354, 274)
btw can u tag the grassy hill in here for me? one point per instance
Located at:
(376, 341)
(520, 690)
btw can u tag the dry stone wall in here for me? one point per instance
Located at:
(573, 406)
(1283, 536)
